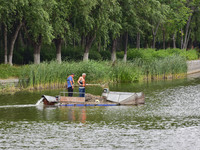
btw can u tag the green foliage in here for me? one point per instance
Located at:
(8, 71)
(191, 55)
(105, 55)
(37, 18)
(94, 55)
(149, 54)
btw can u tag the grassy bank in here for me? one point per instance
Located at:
(144, 64)
(52, 74)
(7, 71)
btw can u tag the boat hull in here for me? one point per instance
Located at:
(111, 99)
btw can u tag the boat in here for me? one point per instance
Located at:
(108, 98)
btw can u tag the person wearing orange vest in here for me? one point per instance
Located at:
(70, 84)
(81, 82)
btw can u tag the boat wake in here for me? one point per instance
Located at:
(39, 102)
(12, 106)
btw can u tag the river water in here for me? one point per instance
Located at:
(170, 120)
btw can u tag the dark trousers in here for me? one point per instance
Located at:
(70, 91)
(82, 92)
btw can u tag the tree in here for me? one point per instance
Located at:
(60, 22)
(12, 21)
(129, 21)
(114, 25)
(193, 5)
(93, 19)
(158, 16)
(37, 24)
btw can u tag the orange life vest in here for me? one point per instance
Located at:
(82, 82)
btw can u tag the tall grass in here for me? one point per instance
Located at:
(48, 74)
(7, 71)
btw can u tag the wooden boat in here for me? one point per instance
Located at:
(108, 98)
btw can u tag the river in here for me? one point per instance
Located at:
(169, 120)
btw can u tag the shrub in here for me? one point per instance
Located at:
(95, 55)
(106, 55)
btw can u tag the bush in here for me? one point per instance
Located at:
(95, 55)
(148, 54)
(72, 53)
(191, 55)
(120, 55)
(106, 55)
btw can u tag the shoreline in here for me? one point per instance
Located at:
(13, 84)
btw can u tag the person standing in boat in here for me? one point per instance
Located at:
(70, 85)
(81, 82)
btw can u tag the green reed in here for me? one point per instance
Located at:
(52, 74)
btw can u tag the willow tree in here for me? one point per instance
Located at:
(93, 18)
(176, 20)
(129, 20)
(157, 16)
(134, 13)
(194, 6)
(37, 24)
(115, 27)
(60, 22)
(12, 17)
(84, 21)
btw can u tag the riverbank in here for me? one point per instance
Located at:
(51, 75)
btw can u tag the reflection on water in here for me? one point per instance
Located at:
(73, 114)
(170, 119)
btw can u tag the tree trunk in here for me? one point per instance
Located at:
(58, 43)
(125, 47)
(86, 53)
(174, 40)
(154, 42)
(164, 38)
(89, 41)
(113, 55)
(138, 40)
(154, 36)
(186, 33)
(82, 41)
(37, 48)
(12, 43)
(168, 44)
(181, 38)
(21, 39)
(188, 38)
(5, 44)
(99, 46)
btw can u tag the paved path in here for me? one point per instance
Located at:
(4, 82)
(193, 66)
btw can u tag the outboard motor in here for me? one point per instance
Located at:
(105, 93)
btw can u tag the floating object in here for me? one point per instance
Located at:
(108, 98)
